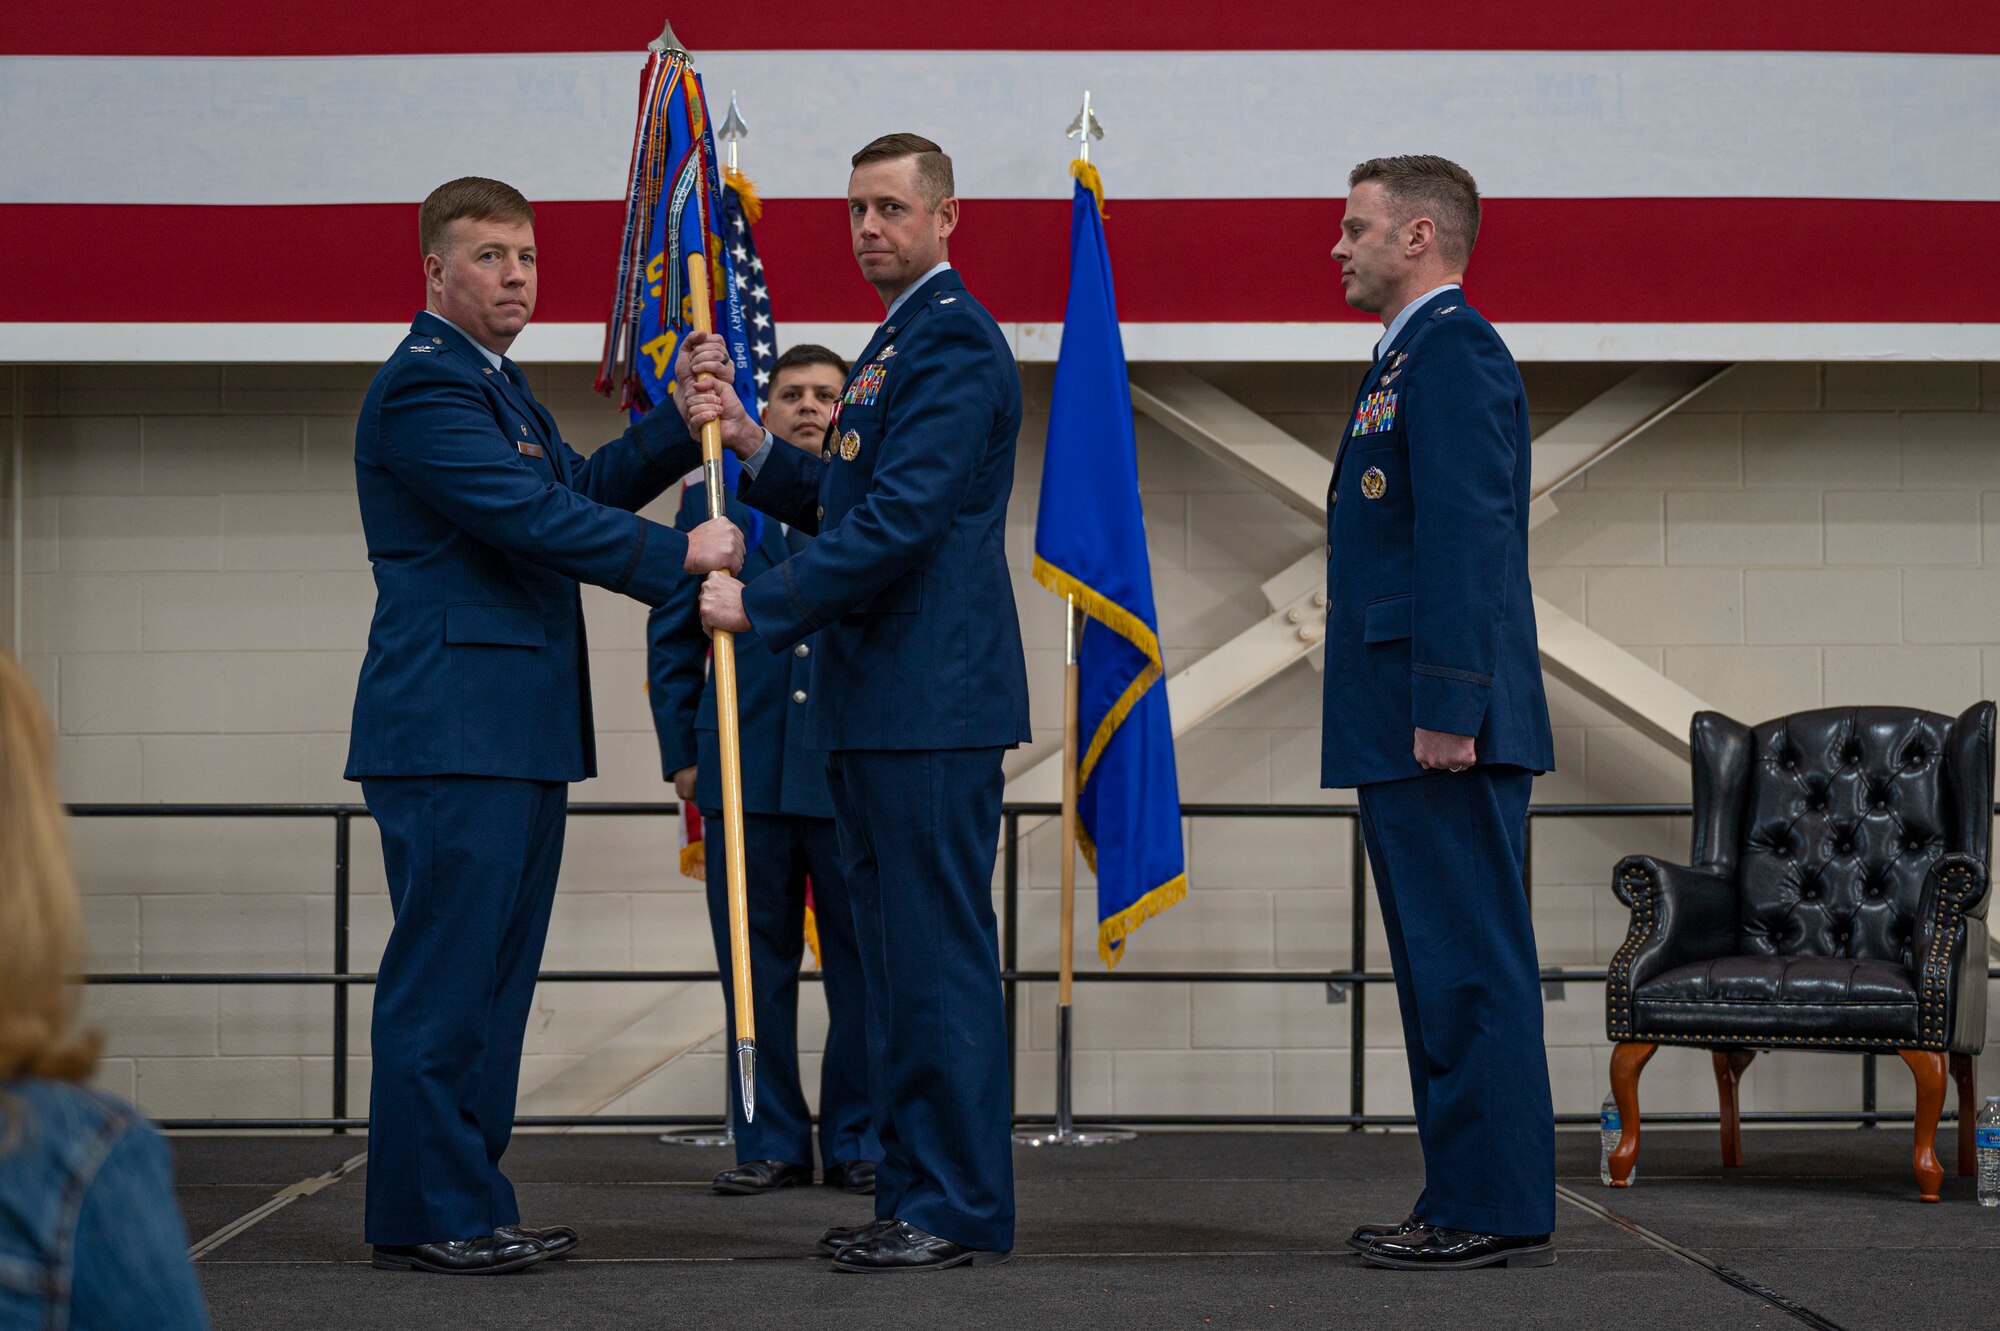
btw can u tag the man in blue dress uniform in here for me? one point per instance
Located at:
(918, 687)
(788, 836)
(1435, 714)
(473, 712)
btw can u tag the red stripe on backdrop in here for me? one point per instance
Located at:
(1539, 260)
(396, 27)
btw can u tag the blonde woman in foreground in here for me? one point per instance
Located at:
(90, 1235)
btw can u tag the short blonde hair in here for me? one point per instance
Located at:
(40, 930)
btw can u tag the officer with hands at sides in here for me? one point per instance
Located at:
(918, 687)
(1435, 713)
(788, 835)
(472, 713)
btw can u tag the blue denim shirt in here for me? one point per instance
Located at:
(91, 1237)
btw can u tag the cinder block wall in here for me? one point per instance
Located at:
(197, 599)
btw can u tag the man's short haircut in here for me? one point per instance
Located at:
(1433, 187)
(475, 197)
(933, 167)
(802, 355)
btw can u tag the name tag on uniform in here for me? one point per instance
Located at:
(532, 450)
(1376, 414)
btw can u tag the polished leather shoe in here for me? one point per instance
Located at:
(840, 1236)
(904, 1247)
(855, 1176)
(758, 1176)
(1364, 1235)
(488, 1255)
(558, 1239)
(1458, 1250)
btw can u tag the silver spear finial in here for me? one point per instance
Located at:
(733, 129)
(666, 41)
(1085, 127)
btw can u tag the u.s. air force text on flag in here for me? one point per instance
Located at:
(1090, 543)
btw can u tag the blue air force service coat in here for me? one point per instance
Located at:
(907, 588)
(480, 522)
(780, 774)
(1430, 620)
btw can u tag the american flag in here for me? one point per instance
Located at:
(739, 215)
(1698, 180)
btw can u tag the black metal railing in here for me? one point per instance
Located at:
(1349, 986)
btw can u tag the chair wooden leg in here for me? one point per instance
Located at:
(1927, 1066)
(1965, 1071)
(1626, 1062)
(1729, 1065)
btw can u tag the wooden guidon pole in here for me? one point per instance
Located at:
(1071, 756)
(732, 753)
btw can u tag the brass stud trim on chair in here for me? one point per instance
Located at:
(1785, 1041)
(1642, 888)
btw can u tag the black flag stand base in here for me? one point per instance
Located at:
(723, 1134)
(1065, 1132)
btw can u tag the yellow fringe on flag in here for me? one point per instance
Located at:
(1155, 902)
(1127, 626)
(1125, 921)
(1086, 176)
(1133, 629)
(812, 935)
(694, 860)
(746, 194)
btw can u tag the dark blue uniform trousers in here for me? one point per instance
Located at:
(1446, 850)
(918, 830)
(779, 852)
(472, 867)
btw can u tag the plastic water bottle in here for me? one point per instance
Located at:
(1609, 1133)
(1986, 1141)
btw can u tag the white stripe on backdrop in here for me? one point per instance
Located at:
(1532, 124)
(577, 343)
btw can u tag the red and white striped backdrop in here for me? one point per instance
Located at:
(1771, 180)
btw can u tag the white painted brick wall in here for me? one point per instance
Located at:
(197, 599)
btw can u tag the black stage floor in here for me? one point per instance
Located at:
(1198, 1230)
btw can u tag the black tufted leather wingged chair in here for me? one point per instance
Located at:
(1836, 901)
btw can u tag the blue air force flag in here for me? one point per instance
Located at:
(1090, 543)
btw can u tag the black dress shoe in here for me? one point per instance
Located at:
(1458, 1250)
(558, 1239)
(1364, 1235)
(488, 1255)
(904, 1247)
(840, 1236)
(855, 1176)
(757, 1176)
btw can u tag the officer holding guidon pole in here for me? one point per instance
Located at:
(670, 264)
(918, 688)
